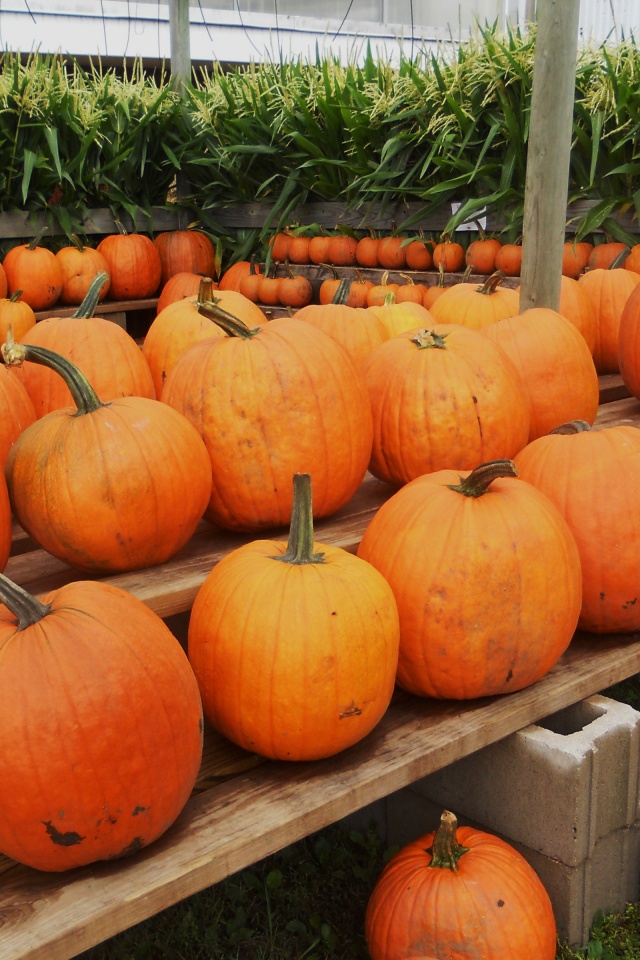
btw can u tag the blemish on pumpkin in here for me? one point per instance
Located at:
(131, 848)
(68, 839)
(351, 711)
(334, 613)
(501, 903)
(602, 595)
(509, 676)
(139, 809)
(629, 603)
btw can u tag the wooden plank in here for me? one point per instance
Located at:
(222, 830)
(103, 309)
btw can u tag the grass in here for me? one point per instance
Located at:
(307, 902)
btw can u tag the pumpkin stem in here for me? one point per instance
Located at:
(480, 479)
(205, 289)
(492, 282)
(300, 544)
(232, 326)
(572, 426)
(83, 394)
(429, 339)
(446, 851)
(26, 608)
(88, 306)
(341, 294)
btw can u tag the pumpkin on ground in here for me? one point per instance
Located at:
(486, 575)
(106, 486)
(308, 667)
(593, 476)
(442, 397)
(107, 355)
(280, 399)
(134, 263)
(476, 305)
(555, 366)
(462, 894)
(101, 721)
(36, 271)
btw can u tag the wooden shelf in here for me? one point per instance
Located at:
(245, 808)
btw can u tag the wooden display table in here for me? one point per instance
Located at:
(244, 808)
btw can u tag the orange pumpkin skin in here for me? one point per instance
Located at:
(107, 355)
(555, 365)
(603, 254)
(356, 328)
(391, 254)
(633, 260)
(367, 251)
(185, 251)
(230, 279)
(575, 257)
(36, 271)
(450, 255)
(592, 477)
(575, 304)
(123, 485)
(400, 317)
(179, 286)
(342, 250)
(608, 290)
(493, 907)
(475, 306)
(16, 314)
(6, 531)
(4, 285)
(319, 248)
(418, 255)
(251, 663)
(438, 399)
(134, 265)
(629, 343)
(470, 597)
(16, 410)
(287, 399)
(481, 255)
(80, 265)
(116, 748)
(509, 259)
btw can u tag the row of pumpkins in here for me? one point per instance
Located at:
(468, 580)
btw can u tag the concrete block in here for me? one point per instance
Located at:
(557, 786)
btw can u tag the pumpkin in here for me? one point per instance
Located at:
(230, 279)
(509, 259)
(410, 292)
(604, 254)
(280, 399)
(6, 531)
(442, 397)
(400, 317)
(391, 253)
(486, 575)
(476, 306)
(179, 286)
(434, 290)
(629, 343)
(377, 294)
(418, 255)
(295, 289)
(185, 251)
(185, 322)
(106, 486)
(592, 476)
(480, 255)
(36, 271)
(342, 250)
(367, 250)
(608, 289)
(80, 264)
(632, 262)
(249, 285)
(308, 668)
(575, 258)
(575, 304)
(463, 894)
(450, 254)
(279, 246)
(4, 286)
(16, 410)
(108, 356)
(356, 328)
(298, 251)
(359, 288)
(17, 314)
(269, 289)
(102, 723)
(319, 247)
(555, 366)
(134, 264)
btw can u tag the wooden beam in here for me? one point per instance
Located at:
(179, 26)
(546, 184)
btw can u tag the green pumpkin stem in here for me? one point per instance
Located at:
(446, 851)
(88, 306)
(480, 479)
(26, 608)
(341, 294)
(83, 394)
(492, 283)
(232, 326)
(300, 544)
(572, 426)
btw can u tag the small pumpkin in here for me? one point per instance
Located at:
(575, 257)
(17, 314)
(367, 249)
(480, 255)
(80, 264)
(102, 723)
(419, 254)
(319, 247)
(604, 254)
(342, 250)
(392, 253)
(122, 485)
(295, 289)
(509, 259)
(476, 305)
(450, 254)
(463, 894)
(487, 578)
(308, 668)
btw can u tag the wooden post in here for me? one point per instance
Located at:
(180, 46)
(550, 133)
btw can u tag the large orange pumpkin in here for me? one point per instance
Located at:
(107, 355)
(629, 343)
(185, 251)
(575, 304)
(101, 721)
(106, 486)
(16, 410)
(308, 667)
(35, 271)
(444, 397)
(399, 317)
(555, 366)
(608, 289)
(593, 477)
(134, 265)
(476, 306)
(462, 894)
(486, 575)
(280, 399)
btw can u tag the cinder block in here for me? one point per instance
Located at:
(558, 786)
